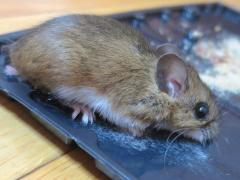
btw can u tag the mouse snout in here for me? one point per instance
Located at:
(203, 134)
(196, 134)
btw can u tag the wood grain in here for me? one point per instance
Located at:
(33, 12)
(75, 165)
(24, 143)
(35, 7)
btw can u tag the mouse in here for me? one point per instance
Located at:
(96, 64)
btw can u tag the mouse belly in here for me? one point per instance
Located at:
(90, 98)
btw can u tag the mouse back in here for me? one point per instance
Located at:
(80, 49)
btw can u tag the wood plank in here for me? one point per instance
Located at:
(33, 12)
(74, 165)
(24, 143)
(10, 8)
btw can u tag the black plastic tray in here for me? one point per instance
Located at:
(122, 156)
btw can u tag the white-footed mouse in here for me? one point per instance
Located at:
(93, 63)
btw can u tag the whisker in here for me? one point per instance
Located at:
(177, 130)
(169, 146)
(172, 133)
(206, 136)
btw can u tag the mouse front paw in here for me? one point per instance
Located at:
(87, 114)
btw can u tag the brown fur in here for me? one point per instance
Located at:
(115, 60)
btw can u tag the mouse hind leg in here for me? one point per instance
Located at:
(80, 100)
(87, 114)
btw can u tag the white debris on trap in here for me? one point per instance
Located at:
(224, 54)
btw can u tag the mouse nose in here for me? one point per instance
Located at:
(197, 135)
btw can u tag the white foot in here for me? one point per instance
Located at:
(88, 115)
(10, 71)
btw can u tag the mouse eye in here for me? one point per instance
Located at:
(201, 110)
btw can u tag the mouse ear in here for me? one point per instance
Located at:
(171, 71)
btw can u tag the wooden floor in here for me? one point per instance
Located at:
(27, 149)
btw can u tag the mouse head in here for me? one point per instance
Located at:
(194, 111)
